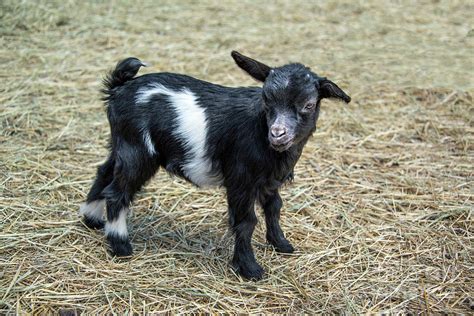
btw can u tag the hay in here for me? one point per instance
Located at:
(381, 209)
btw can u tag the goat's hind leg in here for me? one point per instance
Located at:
(93, 209)
(118, 200)
(132, 169)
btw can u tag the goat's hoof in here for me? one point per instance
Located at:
(283, 246)
(93, 223)
(248, 270)
(120, 246)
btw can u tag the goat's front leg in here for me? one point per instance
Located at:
(242, 220)
(271, 204)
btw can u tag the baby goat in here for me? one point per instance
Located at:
(246, 139)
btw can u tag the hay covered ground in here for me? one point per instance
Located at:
(381, 209)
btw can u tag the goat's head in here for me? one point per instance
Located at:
(291, 99)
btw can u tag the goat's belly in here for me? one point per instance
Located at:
(196, 170)
(200, 173)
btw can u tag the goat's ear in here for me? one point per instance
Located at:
(254, 68)
(328, 89)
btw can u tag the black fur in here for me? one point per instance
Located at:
(119, 246)
(93, 223)
(250, 158)
(124, 71)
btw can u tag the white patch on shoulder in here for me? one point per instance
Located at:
(93, 210)
(148, 142)
(119, 225)
(191, 130)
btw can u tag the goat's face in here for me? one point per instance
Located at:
(291, 103)
(291, 99)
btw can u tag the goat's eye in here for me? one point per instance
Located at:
(309, 106)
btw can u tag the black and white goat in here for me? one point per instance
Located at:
(246, 139)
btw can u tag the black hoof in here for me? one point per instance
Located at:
(285, 248)
(93, 223)
(248, 270)
(282, 246)
(119, 246)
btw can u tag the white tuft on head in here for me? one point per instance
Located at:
(191, 131)
(118, 226)
(278, 81)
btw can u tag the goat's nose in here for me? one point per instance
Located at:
(278, 131)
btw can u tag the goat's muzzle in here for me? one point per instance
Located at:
(279, 137)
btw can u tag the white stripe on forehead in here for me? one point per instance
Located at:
(191, 131)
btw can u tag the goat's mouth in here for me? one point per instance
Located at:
(281, 146)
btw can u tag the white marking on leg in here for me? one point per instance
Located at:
(93, 210)
(118, 226)
(148, 142)
(191, 130)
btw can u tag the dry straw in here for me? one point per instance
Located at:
(381, 209)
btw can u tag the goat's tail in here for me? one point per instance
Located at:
(123, 72)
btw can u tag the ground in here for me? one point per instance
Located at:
(381, 208)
